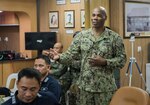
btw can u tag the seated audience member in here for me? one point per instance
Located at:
(42, 64)
(57, 69)
(28, 85)
(60, 71)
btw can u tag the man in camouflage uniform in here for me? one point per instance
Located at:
(102, 51)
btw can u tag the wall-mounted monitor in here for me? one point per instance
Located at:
(39, 40)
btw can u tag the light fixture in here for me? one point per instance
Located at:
(1, 11)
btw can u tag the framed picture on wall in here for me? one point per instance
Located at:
(60, 1)
(74, 1)
(137, 19)
(82, 17)
(53, 19)
(69, 19)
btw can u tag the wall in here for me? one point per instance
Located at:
(12, 66)
(9, 21)
(25, 11)
(117, 24)
(50, 5)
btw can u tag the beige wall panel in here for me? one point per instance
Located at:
(104, 3)
(90, 5)
(13, 38)
(9, 67)
(25, 7)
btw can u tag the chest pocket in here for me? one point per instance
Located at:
(106, 49)
(86, 44)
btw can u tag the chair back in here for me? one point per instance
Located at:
(148, 101)
(130, 96)
(11, 77)
(4, 91)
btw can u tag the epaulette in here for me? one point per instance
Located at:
(13, 99)
(39, 95)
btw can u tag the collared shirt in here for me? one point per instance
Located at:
(41, 99)
(108, 45)
(52, 85)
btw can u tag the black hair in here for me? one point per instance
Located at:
(45, 58)
(30, 73)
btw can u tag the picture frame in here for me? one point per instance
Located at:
(74, 1)
(69, 19)
(53, 19)
(82, 17)
(59, 2)
(136, 19)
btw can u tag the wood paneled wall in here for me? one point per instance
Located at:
(50, 5)
(117, 24)
(25, 11)
(12, 66)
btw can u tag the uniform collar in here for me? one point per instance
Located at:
(46, 79)
(104, 35)
(16, 101)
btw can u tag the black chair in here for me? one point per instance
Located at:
(5, 91)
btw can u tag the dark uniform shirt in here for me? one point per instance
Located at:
(52, 85)
(41, 99)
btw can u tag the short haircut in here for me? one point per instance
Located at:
(30, 73)
(45, 58)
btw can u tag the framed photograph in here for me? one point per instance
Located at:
(74, 1)
(60, 1)
(82, 17)
(137, 19)
(69, 18)
(53, 19)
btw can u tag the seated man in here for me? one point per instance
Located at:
(60, 72)
(42, 64)
(28, 85)
(57, 69)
